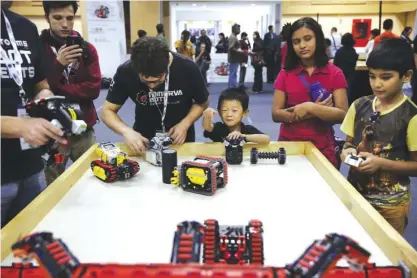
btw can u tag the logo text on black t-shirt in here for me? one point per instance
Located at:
(28, 70)
(157, 98)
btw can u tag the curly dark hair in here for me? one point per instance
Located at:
(150, 56)
(48, 5)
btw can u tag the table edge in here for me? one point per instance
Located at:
(394, 246)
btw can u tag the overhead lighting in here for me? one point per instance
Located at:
(253, 5)
(194, 5)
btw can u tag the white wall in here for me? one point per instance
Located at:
(248, 15)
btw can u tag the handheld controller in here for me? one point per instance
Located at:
(157, 144)
(234, 150)
(353, 160)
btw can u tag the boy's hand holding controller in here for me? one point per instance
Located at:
(208, 115)
(370, 163)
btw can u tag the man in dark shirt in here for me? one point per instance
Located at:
(234, 56)
(206, 40)
(74, 72)
(22, 176)
(272, 45)
(168, 90)
(245, 46)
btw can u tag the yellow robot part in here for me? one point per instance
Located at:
(196, 176)
(175, 180)
(121, 157)
(100, 173)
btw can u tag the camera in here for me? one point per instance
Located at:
(62, 115)
(157, 144)
(234, 150)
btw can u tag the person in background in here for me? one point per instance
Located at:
(336, 41)
(307, 63)
(346, 59)
(370, 45)
(257, 62)
(161, 33)
(168, 91)
(284, 49)
(206, 40)
(406, 33)
(246, 47)
(234, 56)
(388, 25)
(233, 106)
(382, 130)
(203, 61)
(328, 45)
(193, 40)
(74, 72)
(222, 45)
(141, 33)
(414, 79)
(22, 175)
(185, 46)
(270, 47)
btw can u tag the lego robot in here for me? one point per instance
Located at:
(187, 242)
(61, 114)
(203, 176)
(234, 150)
(319, 260)
(221, 244)
(113, 164)
(157, 144)
(280, 155)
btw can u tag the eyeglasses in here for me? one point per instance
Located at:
(370, 129)
(160, 80)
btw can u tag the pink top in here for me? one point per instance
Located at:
(314, 130)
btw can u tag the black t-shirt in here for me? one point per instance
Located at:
(221, 131)
(15, 163)
(186, 87)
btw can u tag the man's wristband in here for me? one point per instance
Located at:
(348, 145)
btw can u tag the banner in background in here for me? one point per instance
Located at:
(219, 70)
(361, 31)
(106, 31)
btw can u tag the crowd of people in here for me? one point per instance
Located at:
(170, 93)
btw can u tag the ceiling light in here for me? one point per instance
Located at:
(253, 4)
(194, 5)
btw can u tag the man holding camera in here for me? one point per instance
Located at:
(22, 79)
(74, 72)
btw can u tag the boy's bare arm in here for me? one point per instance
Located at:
(408, 168)
(258, 138)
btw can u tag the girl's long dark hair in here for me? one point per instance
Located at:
(257, 35)
(321, 59)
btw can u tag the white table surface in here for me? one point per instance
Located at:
(134, 221)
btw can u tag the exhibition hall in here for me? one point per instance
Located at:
(273, 139)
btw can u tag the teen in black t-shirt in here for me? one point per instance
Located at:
(153, 67)
(22, 177)
(233, 105)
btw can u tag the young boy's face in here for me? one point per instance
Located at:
(232, 112)
(386, 84)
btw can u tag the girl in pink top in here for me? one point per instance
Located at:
(306, 63)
